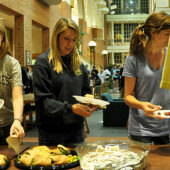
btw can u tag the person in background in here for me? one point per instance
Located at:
(58, 75)
(87, 70)
(106, 74)
(94, 72)
(121, 84)
(30, 77)
(101, 76)
(115, 78)
(25, 80)
(143, 71)
(10, 91)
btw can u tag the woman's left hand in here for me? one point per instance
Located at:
(149, 108)
(17, 128)
(83, 110)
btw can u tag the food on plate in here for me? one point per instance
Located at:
(89, 95)
(41, 148)
(26, 159)
(63, 149)
(3, 159)
(110, 157)
(44, 156)
(163, 113)
(43, 160)
(167, 113)
(63, 159)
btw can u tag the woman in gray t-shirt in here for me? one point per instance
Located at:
(143, 71)
(10, 91)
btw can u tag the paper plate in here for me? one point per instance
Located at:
(162, 113)
(92, 101)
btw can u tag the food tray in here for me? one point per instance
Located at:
(7, 165)
(56, 167)
(140, 149)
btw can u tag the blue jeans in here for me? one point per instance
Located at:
(70, 136)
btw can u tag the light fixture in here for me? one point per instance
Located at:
(92, 44)
(104, 52)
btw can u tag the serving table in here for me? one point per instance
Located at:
(158, 158)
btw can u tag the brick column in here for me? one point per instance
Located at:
(19, 38)
(84, 45)
(45, 39)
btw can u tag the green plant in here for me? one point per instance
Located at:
(80, 39)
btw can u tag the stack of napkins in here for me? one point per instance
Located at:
(14, 142)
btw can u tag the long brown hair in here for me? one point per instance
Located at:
(156, 22)
(55, 56)
(5, 48)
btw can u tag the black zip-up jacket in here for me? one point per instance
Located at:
(54, 94)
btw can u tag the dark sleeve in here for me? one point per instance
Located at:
(44, 96)
(86, 82)
(25, 80)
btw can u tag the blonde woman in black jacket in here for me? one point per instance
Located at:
(59, 74)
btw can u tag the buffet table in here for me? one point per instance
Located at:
(158, 158)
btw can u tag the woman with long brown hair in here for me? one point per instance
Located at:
(10, 90)
(59, 74)
(143, 71)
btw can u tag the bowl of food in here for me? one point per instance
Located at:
(112, 154)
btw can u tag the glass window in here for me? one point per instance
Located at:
(144, 6)
(118, 4)
(117, 33)
(128, 29)
(131, 6)
(117, 58)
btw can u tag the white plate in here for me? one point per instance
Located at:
(92, 101)
(163, 113)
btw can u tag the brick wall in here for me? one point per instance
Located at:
(25, 12)
(19, 38)
(34, 11)
(97, 33)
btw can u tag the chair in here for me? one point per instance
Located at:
(97, 92)
(86, 128)
(28, 112)
(116, 114)
(105, 87)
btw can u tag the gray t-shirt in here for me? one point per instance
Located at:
(147, 89)
(10, 76)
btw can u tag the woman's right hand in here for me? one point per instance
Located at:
(83, 110)
(149, 108)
